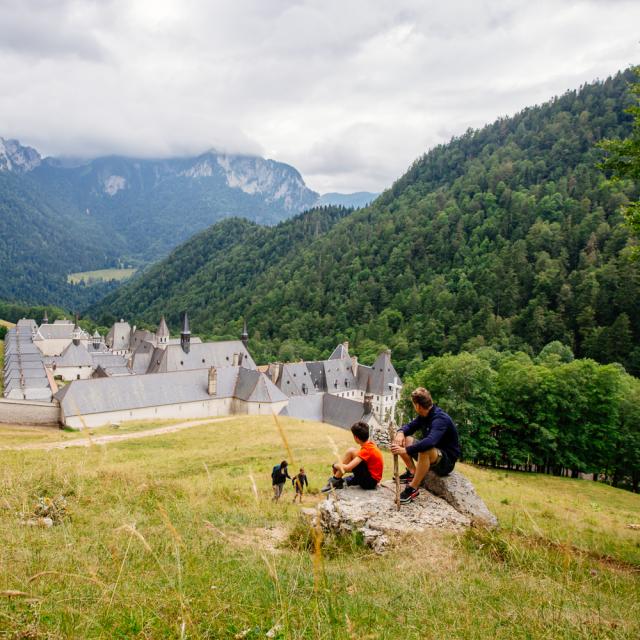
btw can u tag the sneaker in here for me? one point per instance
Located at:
(406, 477)
(334, 483)
(409, 494)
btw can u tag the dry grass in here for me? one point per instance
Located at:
(167, 539)
(100, 275)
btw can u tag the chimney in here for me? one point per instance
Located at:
(345, 344)
(235, 360)
(368, 403)
(240, 359)
(185, 334)
(245, 336)
(274, 370)
(354, 366)
(212, 387)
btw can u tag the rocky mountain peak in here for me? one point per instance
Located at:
(17, 158)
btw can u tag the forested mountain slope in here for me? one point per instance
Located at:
(509, 236)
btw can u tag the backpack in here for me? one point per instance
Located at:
(275, 472)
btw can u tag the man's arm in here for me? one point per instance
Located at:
(404, 431)
(438, 429)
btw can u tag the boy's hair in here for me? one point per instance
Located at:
(422, 398)
(360, 430)
(284, 464)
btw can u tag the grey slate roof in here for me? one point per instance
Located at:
(103, 395)
(24, 373)
(382, 373)
(305, 407)
(341, 352)
(62, 331)
(202, 355)
(341, 412)
(295, 379)
(74, 355)
(119, 336)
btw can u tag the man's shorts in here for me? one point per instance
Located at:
(443, 466)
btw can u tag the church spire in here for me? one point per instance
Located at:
(185, 334)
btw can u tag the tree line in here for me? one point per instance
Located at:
(549, 414)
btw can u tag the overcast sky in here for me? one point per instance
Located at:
(349, 92)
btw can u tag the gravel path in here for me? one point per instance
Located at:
(87, 442)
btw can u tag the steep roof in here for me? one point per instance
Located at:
(200, 356)
(122, 393)
(341, 352)
(295, 379)
(341, 412)
(74, 355)
(119, 336)
(253, 386)
(382, 374)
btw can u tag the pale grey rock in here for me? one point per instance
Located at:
(461, 495)
(373, 514)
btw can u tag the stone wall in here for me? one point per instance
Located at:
(29, 412)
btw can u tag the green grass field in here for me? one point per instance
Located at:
(100, 275)
(167, 538)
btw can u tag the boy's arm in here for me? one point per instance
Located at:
(350, 466)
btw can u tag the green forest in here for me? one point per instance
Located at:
(508, 237)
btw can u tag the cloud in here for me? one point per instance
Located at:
(349, 92)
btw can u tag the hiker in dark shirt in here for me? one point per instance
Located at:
(279, 475)
(299, 482)
(437, 449)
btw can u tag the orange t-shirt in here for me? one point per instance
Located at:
(373, 457)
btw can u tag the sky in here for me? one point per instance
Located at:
(349, 92)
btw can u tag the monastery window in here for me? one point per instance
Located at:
(181, 362)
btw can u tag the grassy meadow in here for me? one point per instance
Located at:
(99, 275)
(176, 537)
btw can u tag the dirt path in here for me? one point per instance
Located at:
(87, 442)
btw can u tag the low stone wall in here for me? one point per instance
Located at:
(29, 412)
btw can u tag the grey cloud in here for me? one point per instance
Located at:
(350, 93)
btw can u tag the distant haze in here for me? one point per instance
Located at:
(349, 93)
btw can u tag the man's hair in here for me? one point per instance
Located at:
(422, 398)
(284, 463)
(360, 430)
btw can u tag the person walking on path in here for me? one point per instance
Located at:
(299, 482)
(279, 475)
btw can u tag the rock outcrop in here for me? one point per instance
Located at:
(450, 503)
(461, 495)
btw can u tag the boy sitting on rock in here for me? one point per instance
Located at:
(364, 461)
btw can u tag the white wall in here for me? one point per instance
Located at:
(186, 411)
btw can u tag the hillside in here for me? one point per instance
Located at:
(176, 536)
(59, 217)
(508, 236)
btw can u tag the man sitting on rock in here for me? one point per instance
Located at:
(437, 449)
(365, 461)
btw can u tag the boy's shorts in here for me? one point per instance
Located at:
(361, 477)
(443, 466)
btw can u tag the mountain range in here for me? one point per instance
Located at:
(62, 215)
(509, 236)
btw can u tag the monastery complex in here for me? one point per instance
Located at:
(58, 372)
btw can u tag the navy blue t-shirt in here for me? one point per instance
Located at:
(438, 430)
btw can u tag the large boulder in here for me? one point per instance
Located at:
(449, 503)
(461, 495)
(374, 515)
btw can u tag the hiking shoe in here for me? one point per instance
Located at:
(334, 483)
(406, 477)
(409, 494)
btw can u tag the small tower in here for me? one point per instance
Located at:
(162, 334)
(185, 334)
(75, 336)
(45, 318)
(96, 340)
(245, 336)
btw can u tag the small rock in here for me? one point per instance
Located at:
(46, 522)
